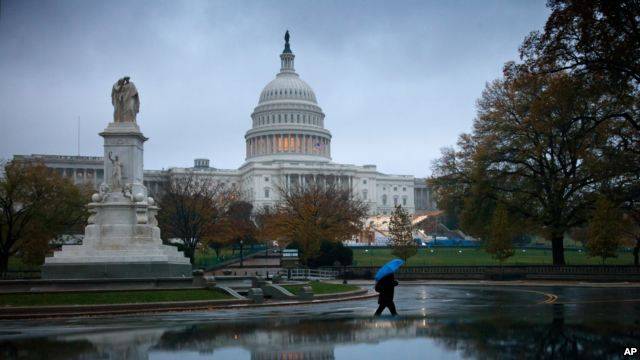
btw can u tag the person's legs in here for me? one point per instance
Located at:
(380, 309)
(392, 308)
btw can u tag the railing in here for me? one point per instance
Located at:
(213, 261)
(308, 274)
(538, 272)
(20, 274)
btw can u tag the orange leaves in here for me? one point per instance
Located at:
(316, 212)
(37, 205)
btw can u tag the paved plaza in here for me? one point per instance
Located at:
(441, 321)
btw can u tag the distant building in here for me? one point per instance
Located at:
(287, 144)
(422, 196)
(80, 169)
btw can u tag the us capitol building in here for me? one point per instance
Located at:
(287, 144)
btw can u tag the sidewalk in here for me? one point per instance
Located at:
(503, 283)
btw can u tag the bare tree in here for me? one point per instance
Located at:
(192, 209)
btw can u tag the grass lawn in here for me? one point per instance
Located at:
(477, 256)
(16, 264)
(322, 288)
(111, 297)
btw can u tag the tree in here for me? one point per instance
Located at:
(633, 232)
(265, 231)
(237, 227)
(500, 244)
(541, 146)
(192, 209)
(37, 205)
(315, 212)
(599, 40)
(605, 230)
(451, 182)
(330, 254)
(588, 36)
(401, 234)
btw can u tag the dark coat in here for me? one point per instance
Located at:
(385, 287)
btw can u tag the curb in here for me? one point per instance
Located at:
(43, 312)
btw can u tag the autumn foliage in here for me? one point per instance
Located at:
(606, 230)
(557, 131)
(314, 213)
(401, 234)
(37, 205)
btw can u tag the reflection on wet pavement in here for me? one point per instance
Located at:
(436, 321)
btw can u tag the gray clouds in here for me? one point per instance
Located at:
(397, 80)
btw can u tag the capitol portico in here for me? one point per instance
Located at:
(288, 144)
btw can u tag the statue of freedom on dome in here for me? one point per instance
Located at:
(287, 48)
(125, 101)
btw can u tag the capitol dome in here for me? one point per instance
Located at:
(287, 86)
(287, 122)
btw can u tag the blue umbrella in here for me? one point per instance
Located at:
(388, 268)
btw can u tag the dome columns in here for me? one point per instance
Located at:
(287, 142)
(286, 63)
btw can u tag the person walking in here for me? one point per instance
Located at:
(385, 286)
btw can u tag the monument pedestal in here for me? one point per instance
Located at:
(122, 238)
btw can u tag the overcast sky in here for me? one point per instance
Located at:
(397, 80)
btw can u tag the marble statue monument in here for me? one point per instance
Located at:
(122, 238)
(125, 101)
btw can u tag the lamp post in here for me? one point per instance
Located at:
(241, 258)
(266, 259)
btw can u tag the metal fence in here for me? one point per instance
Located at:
(308, 274)
(532, 272)
(213, 261)
(20, 274)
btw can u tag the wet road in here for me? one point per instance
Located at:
(437, 321)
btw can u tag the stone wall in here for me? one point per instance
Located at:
(512, 272)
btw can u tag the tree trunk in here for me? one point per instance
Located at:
(4, 263)
(557, 248)
(636, 251)
(189, 252)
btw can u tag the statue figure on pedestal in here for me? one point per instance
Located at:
(125, 101)
(116, 172)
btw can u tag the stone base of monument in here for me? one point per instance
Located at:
(122, 238)
(115, 270)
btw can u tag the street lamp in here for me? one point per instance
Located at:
(241, 242)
